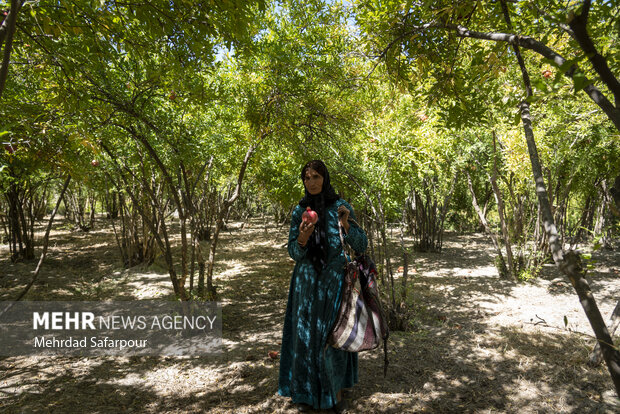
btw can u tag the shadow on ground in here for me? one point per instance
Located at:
(456, 362)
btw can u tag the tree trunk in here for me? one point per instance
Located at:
(93, 203)
(404, 279)
(21, 230)
(502, 263)
(602, 229)
(211, 293)
(6, 40)
(45, 244)
(500, 211)
(184, 250)
(596, 356)
(153, 223)
(16, 246)
(614, 206)
(444, 211)
(386, 255)
(201, 271)
(427, 215)
(192, 267)
(569, 263)
(585, 221)
(210, 290)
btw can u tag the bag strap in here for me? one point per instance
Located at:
(385, 358)
(344, 247)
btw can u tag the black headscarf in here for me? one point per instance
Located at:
(317, 244)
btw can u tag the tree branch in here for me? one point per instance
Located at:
(167, 178)
(578, 23)
(530, 43)
(244, 165)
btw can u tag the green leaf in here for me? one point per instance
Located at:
(566, 66)
(580, 81)
(533, 98)
(540, 85)
(517, 118)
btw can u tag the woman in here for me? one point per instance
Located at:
(311, 372)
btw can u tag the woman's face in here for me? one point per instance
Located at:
(313, 181)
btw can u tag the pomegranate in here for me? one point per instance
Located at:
(310, 216)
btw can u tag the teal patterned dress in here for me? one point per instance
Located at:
(311, 372)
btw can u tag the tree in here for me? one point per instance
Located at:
(411, 31)
(128, 71)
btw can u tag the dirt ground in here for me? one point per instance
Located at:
(480, 345)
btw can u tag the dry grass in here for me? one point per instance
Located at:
(480, 346)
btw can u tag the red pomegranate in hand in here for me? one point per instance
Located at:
(310, 216)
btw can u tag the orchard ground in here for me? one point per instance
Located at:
(480, 344)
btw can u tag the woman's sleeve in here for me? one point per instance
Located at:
(296, 252)
(356, 237)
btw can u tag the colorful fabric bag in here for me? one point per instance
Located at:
(360, 324)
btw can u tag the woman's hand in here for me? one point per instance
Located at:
(305, 230)
(343, 216)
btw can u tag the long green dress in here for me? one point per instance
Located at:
(310, 371)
